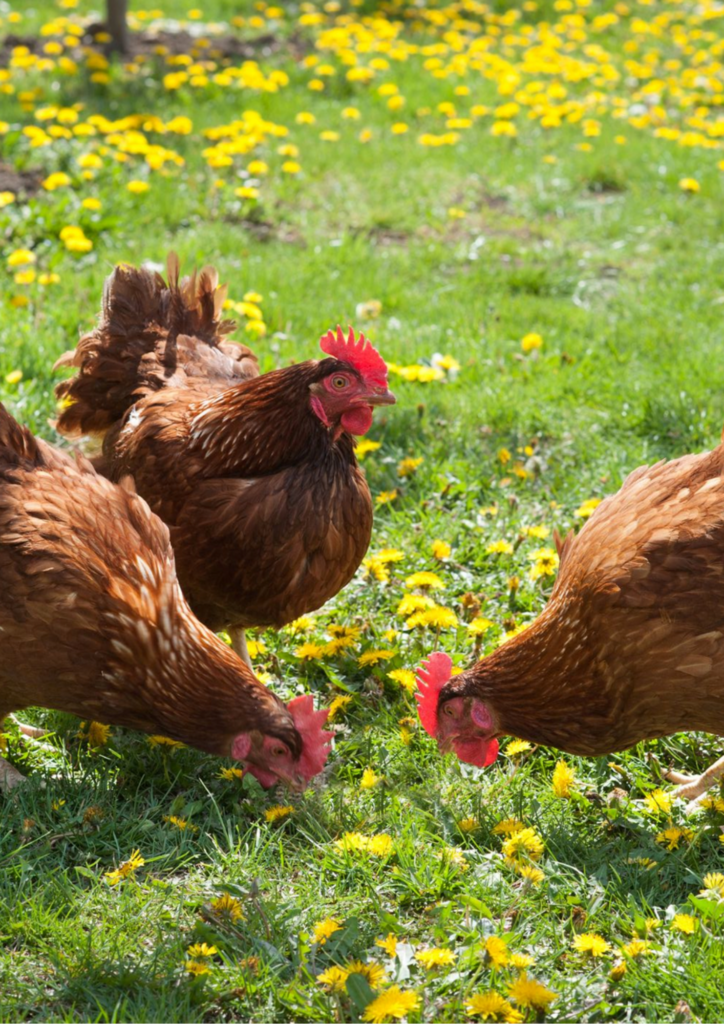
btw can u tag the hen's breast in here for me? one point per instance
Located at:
(263, 551)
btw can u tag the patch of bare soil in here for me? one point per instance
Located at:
(224, 48)
(21, 183)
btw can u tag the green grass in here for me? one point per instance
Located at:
(620, 272)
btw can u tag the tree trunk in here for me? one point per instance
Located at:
(117, 26)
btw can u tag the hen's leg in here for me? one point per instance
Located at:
(9, 776)
(28, 730)
(692, 787)
(238, 644)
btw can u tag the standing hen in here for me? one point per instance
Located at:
(93, 622)
(630, 645)
(256, 477)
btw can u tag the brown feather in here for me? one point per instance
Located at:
(92, 619)
(269, 514)
(631, 643)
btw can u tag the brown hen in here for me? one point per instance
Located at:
(93, 622)
(630, 645)
(256, 477)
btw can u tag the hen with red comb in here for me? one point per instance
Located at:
(254, 475)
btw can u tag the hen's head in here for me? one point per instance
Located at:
(293, 755)
(350, 383)
(458, 720)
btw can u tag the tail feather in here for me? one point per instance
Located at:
(17, 444)
(19, 448)
(150, 335)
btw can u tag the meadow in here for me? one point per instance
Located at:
(523, 207)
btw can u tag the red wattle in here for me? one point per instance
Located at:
(357, 420)
(481, 753)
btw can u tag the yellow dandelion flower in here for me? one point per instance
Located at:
(373, 657)
(181, 823)
(408, 466)
(414, 603)
(496, 951)
(394, 1002)
(309, 651)
(127, 869)
(197, 968)
(57, 180)
(499, 547)
(373, 974)
(364, 446)
(385, 497)
(424, 580)
(441, 550)
(405, 677)
(468, 824)
(527, 991)
(508, 826)
(228, 907)
(338, 705)
(672, 836)
(564, 779)
(521, 961)
(531, 341)
(231, 774)
(324, 930)
(163, 741)
(14, 377)
(712, 803)
(201, 949)
(525, 842)
(635, 948)
(277, 812)
(684, 923)
(436, 616)
(369, 779)
(334, 978)
(587, 508)
(21, 257)
(516, 747)
(491, 1006)
(689, 185)
(590, 943)
(431, 958)
(713, 882)
(618, 970)
(658, 802)
(389, 944)
(380, 845)
(531, 874)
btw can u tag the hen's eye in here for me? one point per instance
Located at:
(279, 751)
(339, 382)
(447, 710)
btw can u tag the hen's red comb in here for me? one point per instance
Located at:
(359, 352)
(316, 743)
(431, 677)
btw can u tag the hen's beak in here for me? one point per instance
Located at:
(383, 396)
(445, 744)
(297, 782)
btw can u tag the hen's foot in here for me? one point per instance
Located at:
(9, 776)
(238, 644)
(693, 787)
(32, 731)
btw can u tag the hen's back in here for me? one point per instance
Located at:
(75, 552)
(151, 335)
